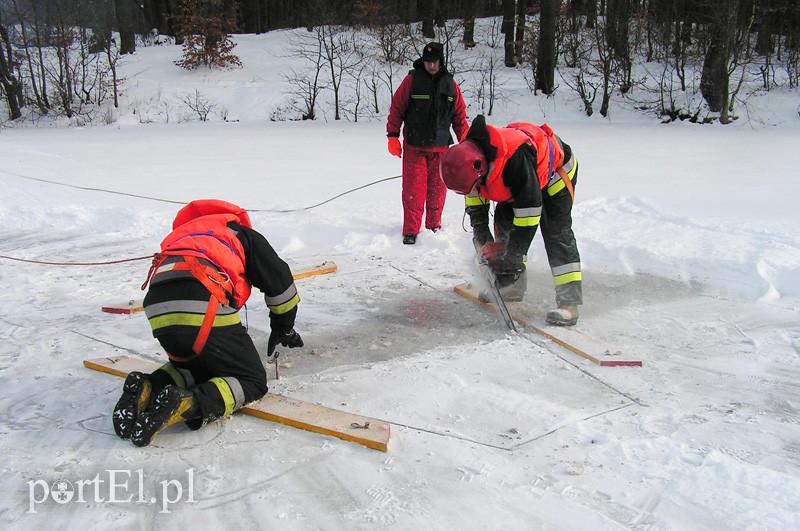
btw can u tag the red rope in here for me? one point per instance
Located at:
(148, 257)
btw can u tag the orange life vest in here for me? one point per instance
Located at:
(209, 237)
(200, 231)
(549, 155)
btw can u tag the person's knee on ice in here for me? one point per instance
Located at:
(198, 283)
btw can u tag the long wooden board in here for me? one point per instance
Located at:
(372, 433)
(135, 305)
(471, 292)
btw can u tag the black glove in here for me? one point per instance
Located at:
(289, 339)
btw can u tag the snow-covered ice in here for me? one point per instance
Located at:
(691, 255)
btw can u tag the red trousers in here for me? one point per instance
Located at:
(423, 188)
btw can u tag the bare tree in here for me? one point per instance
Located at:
(199, 105)
(308, 83)
(28, 46)
(340, 54)
(487, 90)
(581, 79)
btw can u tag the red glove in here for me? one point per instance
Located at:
(394, 146)
(493, 251)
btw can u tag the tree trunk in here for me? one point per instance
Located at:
(546, 56)
(714, 79)
(519, 38)
(764, 39)
(618, 18)
(8, 81)
(591, 13)
(469, 24)
(426, 12)
(126, 18)
(509, 7)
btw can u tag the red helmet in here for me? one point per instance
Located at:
(462, 166)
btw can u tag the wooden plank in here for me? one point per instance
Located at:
(369, 432)
(129, 308)
(471, 292)
(135, 305)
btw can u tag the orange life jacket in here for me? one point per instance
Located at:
(200, 231)
(549, 155)
(209, 237)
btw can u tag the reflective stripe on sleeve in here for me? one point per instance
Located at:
(287, 295)
(286, 306)
(285, 301)
(474, 200)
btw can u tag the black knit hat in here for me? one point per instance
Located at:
(433, 51)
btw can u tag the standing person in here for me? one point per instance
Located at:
(531, 174)
(428, 102)
(198, 283)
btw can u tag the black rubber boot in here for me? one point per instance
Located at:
(409, 239)
(136, 394)
(172, 405)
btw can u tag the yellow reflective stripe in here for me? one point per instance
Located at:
(192, 319)
(420, 97)
(286, 306)
(530, 221)
(175, 374)
(227, 394)
(567, 278)
(474, 200)
(556, 187)
(559, 185)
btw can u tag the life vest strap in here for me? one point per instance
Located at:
(567, 182)
(158, 258)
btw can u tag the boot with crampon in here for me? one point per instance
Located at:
(170, 406)
(136, 394)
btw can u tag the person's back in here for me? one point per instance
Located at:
(201, 280)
